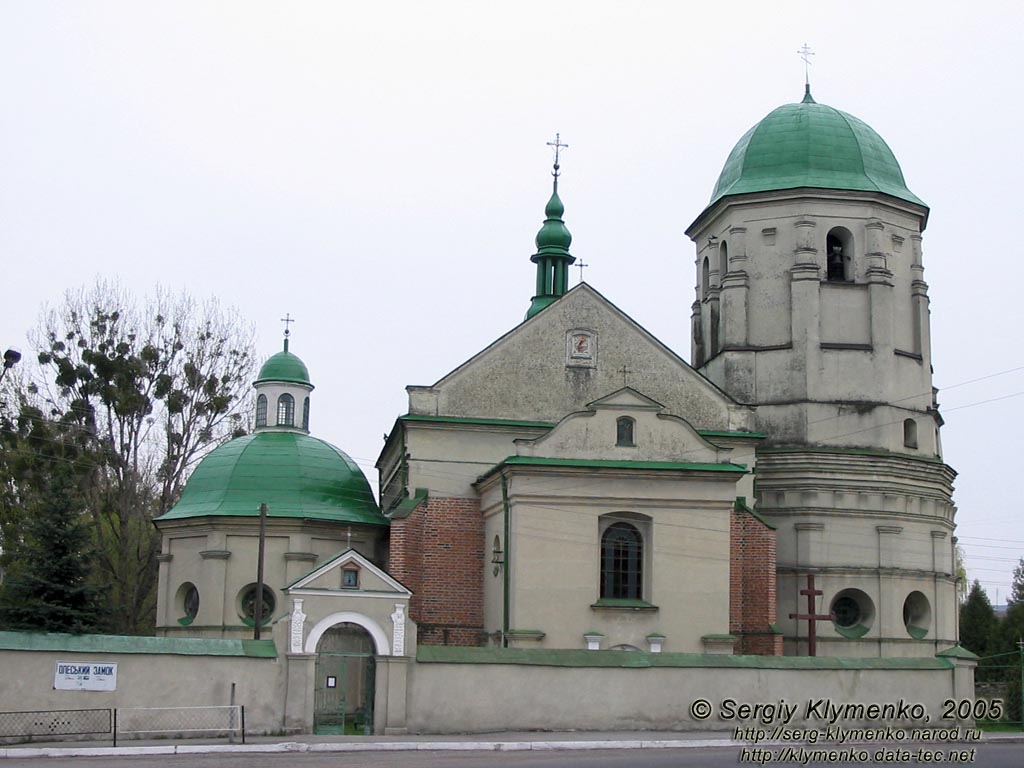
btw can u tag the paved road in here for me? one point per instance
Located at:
(992, 755)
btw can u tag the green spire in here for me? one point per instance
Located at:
(552, 257)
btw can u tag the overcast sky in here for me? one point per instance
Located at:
(379, 170)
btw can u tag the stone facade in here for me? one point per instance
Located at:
(838, 368)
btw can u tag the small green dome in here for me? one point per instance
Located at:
(811, 145)
(553, 236)
(296, 475)
(284, 366)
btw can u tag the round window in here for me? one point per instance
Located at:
(917, 615)
(187, 601)
(853, 613)
(846, 611)
(247, 604)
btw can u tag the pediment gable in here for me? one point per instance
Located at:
(330, 577)
(594, 434)
(567, 356)
(627, 397)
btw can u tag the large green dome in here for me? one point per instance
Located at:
(284, 366)
(296, 475)
(811, 145)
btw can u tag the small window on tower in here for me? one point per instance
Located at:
(909, 433)
(261, 411)
(286, 411)
(705, 279)
(305, 414)
(624, 431)
(839, 256)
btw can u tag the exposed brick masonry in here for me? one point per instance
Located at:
(438, 553)
(752, 585)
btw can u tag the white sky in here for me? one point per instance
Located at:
(379, 170)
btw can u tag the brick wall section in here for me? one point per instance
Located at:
(438, 553)
(752, 585)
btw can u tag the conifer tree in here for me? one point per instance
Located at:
(47, 586)
(977, 621)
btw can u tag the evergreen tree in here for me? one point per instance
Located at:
(978, 621)
(1017, 588)
(47, 586)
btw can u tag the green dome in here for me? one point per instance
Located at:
(284, 366)
(296, 475)
(553, 236)
(811, 145)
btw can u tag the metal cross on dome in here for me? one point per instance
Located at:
(287, 320)
(558, 145)
(805, 54)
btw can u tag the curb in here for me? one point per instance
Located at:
(398, 746)
(366, 746)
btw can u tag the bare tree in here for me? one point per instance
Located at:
(155, 385)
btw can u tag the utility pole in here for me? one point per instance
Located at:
(258, 607)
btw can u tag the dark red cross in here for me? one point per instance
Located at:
(811, 617)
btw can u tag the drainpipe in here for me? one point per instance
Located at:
(508, 561)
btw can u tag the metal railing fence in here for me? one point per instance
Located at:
(216, 721)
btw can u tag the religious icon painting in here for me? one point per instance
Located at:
(581, 346)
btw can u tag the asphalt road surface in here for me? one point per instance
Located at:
(991, 755)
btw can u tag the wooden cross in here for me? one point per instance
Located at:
(557, 144)
(805, 54)
(624, 370)
(287, 320)
(811, 617)
(581, 265)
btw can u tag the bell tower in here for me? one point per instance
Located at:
(811, 306)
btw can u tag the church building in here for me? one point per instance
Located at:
(577, 485)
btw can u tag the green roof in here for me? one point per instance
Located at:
(284, 366)
(179, 646)
(559, 657)
(296, 475)
(811, 145)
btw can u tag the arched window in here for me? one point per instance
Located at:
(624, 431)
(305, 414)
(286, 410)
(622, 557)
(839, 255)
(705, 279)
(723, 261)
(261, 411)
(910, 433)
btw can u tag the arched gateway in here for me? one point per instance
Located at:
(345, 679)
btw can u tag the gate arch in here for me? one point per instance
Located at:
(380, 639)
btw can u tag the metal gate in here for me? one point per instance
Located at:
(345, 676)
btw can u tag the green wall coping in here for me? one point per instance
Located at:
(741, 506)
(542, 657)
(177, 646)
(731, 433)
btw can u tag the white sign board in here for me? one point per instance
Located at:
(85, 676)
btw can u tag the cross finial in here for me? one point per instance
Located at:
(558, 145)
(805, 54)
(581, 265)
(625, 372)
(287, 320)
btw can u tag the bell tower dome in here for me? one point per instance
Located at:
(811, 306)
(282, 393)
